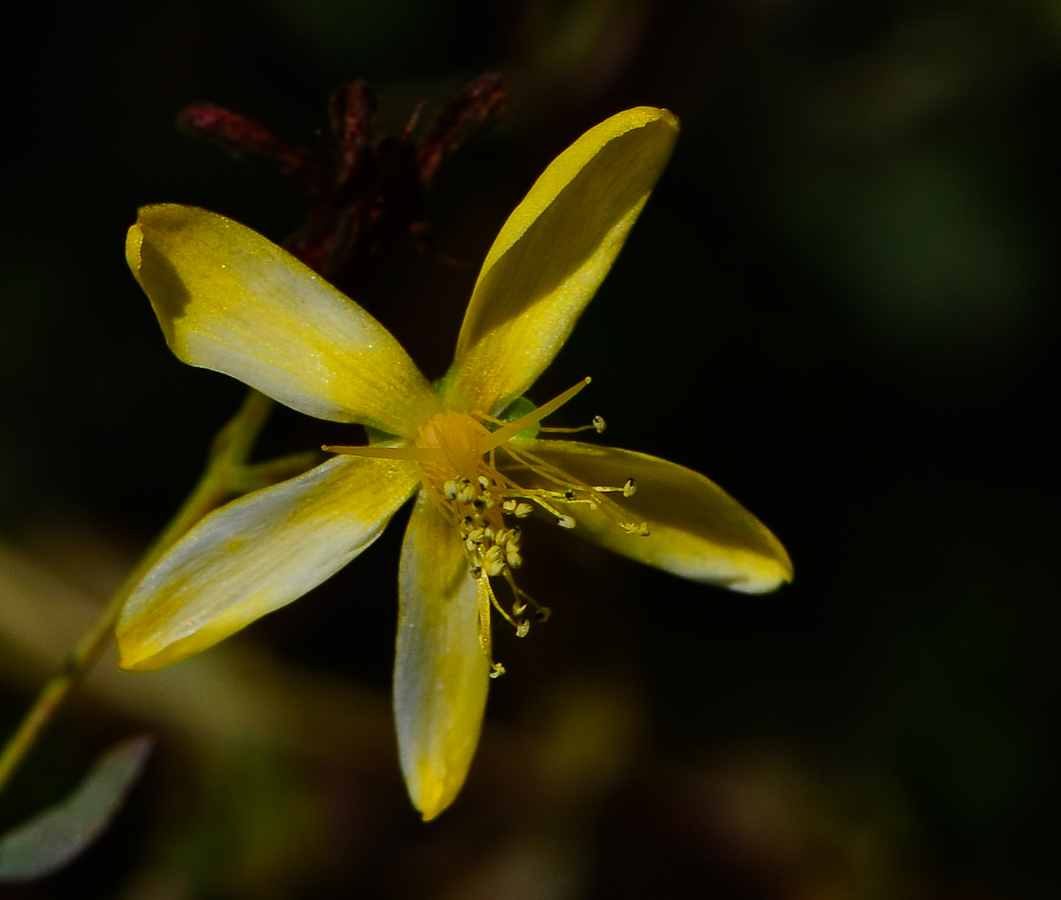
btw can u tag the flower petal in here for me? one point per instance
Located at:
(230, 300)
(696, 529)
(440, 671)
(257, 554)
(551, 255)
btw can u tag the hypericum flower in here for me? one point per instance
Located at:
(467, 449)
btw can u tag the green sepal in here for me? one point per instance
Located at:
(376, 436)
(518, 408)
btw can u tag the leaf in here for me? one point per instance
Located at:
(59, 834)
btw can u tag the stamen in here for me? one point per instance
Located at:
(570, 490)
(504, 434)
(541, 613)
(628, 489)
(596, 425)
(485, 595)
(416, 454)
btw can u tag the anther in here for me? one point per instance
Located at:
(484, 482)
(598, 424)
(522, 627)
(465, 491)
(450, 490)
(523, 510)
(542, 614)
(630, 488)
(565, 522)
(493, 561)
(497, 670)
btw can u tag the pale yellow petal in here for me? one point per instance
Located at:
(230, 300)
(257, 554)
(696, 529)
(440, 672)
(551, 255)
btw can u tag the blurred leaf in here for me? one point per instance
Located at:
(61, 833)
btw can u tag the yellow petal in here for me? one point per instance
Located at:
(551, 255)
(232, 301)
(257, 554)
(440, 672)
(696, 529)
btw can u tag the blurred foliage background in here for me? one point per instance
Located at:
(840, 304)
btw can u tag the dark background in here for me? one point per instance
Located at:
(840, 304)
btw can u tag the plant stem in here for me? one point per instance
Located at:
(222, 477)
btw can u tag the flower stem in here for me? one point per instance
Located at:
(224, 475)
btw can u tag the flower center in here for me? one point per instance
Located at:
(470, 473)
(463, 482)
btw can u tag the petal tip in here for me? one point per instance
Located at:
(771, 575)
(431, 795)
(137, 655)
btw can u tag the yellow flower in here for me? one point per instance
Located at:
(229, 300)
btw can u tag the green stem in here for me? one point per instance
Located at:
(225, 470)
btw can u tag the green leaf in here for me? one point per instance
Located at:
(59, 834)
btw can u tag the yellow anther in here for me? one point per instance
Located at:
(598, 424)
(493, 561)
(565, 521)
(465, 491)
